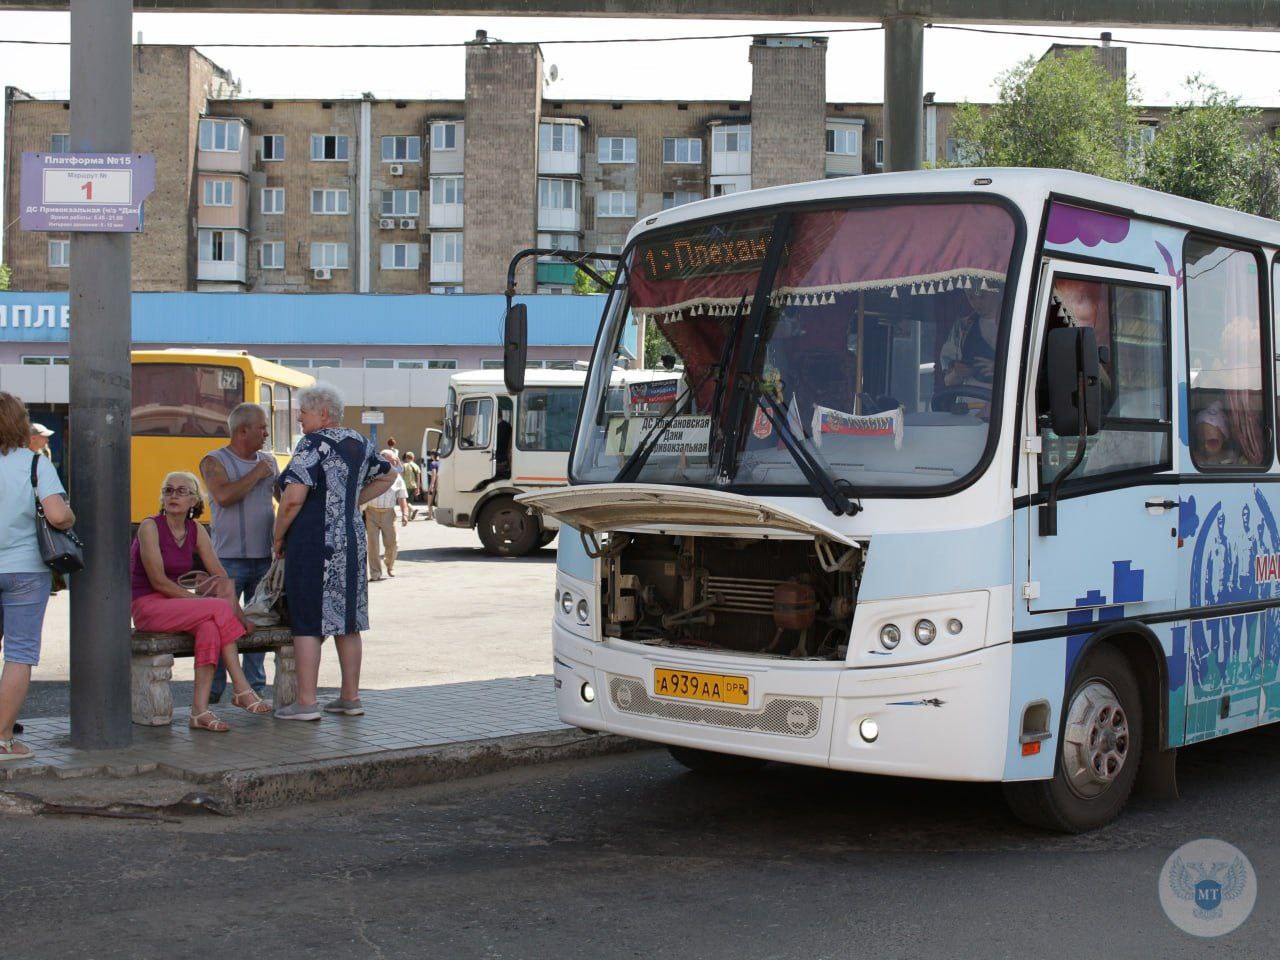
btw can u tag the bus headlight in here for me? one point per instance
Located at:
(890, 636)
(584, 611)
(566, 603)
(954, 626)
(925, 632)
(868, 730)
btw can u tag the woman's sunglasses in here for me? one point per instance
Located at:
(177, 491)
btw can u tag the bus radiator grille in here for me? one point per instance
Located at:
(782, 716)
(743, 594)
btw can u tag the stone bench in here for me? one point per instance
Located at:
(152, 669)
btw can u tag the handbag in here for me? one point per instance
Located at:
(61, 550)
(266, 609)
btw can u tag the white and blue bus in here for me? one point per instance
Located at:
(963, 474)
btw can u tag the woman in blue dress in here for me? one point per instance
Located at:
(321, 536)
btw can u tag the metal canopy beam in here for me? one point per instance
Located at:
(1202, 14)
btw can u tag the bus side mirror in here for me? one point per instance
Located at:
(515, 347)
(1070, 354)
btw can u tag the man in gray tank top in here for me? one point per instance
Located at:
(241, 478)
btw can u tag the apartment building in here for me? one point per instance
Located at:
(435, 196)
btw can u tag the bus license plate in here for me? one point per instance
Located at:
(713, 687)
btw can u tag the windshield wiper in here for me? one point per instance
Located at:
(649, 442)
(817, 473)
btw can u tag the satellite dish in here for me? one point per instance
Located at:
(555, 73)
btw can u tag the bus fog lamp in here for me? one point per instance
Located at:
(954, 626)
(584, 611)
(868, 730)
(925, 632)
(566, 603)
(588, 693)
(890, 636)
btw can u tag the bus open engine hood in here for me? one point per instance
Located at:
(601, 507)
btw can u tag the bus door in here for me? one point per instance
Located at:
(474, 462)
(1115, 553)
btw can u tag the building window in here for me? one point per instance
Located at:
(400, 203)
(723, 189)
(273, 200)
(559, 194)
(271, 255)
(446, 248)
(330, 255)
(446, 290)
(843, 140)
(677, 198)
(60, 143)
(681, 150)
(732, 138)
(615, 203)
(59, 253)
(329, 147)
(307, 363)
(558, 138)
(442, 364)
(444, 136)
(446, 190)
(491, 364)
(330, 202)
(219, 193)
(220, 135)
(400, 256)
(380, 363)
(879, 159)
(273, 147)
(617, 149)
(218, 246)
(31, 361)
(401, 149)
(557, 241)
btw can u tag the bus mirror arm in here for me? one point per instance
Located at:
(1049, 510)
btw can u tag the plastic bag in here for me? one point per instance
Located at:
(266, 609)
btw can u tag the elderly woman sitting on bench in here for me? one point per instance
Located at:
(169, 597)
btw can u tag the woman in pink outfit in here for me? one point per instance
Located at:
(162, 554)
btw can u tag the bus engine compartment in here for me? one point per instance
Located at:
(790, 598)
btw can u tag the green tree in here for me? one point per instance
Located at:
(655, 345)
(1065, 111)
(1213, 149)
(584, 284)
(6, 274)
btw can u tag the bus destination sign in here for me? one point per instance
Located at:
(707, 253)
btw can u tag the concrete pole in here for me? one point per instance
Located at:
(903, 93)
(101, 398)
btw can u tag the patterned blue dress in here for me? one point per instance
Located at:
(324, 572)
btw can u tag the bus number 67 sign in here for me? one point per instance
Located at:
(85, 192)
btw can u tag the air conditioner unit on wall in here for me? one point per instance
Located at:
(408, 224)
(397, 169)
(386, 223)
(322, 273)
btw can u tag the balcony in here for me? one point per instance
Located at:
(446, 139)
(560, 147)
(557, 273)
(447, 215)
(220, 271)
(223, 145)
(213, 188)
(446, 272)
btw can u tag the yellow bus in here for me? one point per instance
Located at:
(181, 399)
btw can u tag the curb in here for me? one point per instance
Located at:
(340, 778)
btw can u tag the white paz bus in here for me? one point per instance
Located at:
(963, 474)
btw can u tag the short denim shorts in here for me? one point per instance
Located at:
(23, 597)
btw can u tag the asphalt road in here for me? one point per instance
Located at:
(631, 857)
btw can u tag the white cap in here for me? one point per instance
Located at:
(41, 429)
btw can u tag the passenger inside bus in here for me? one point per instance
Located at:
(1212, 437)
(968, 355)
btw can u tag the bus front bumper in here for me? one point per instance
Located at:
(947, 719)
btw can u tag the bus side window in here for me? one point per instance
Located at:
(473, 433)
(1227, 405)
(1132, 323)
(264, 400)
(283, 413)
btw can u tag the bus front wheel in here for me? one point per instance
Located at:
(1099, 750)
(506, 529)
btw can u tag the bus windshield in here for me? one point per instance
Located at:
(875, 345)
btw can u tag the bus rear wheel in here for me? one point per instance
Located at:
(1099, 750)
(506, 529)
(707, 761)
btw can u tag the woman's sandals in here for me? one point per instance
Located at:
(257, 706)
(209, 721)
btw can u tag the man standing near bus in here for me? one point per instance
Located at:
(241, 478)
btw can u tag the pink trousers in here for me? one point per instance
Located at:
(211, 621)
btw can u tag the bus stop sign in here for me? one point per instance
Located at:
(85, 192)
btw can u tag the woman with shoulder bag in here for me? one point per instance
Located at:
(25, 581)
